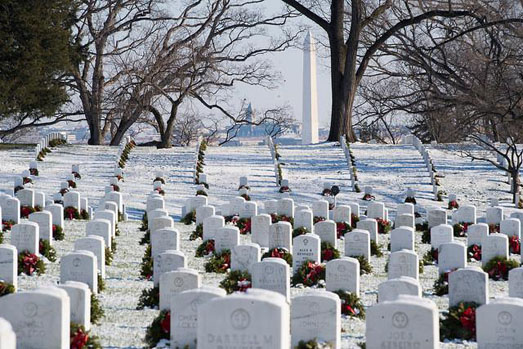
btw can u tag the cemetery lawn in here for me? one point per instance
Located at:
(389, 169)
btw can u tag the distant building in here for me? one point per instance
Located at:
(252, 131)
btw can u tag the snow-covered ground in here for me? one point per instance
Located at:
(389, 169)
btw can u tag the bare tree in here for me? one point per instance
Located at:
(450, 84)
(105, 30)
(511, 153)
(201, 55)
(358, 29)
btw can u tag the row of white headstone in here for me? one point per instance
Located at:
(427, 159)
(41, 317)
(207, 316)
(196, 175)
(46, 140)
(276, 163)
(348, 157)
(45, 313)
(274, 274)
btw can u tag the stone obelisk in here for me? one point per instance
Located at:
(309, 132)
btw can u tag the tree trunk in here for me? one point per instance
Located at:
(95, 137)
(168, 129)
(515, 186)
(120, 132)
(337, 98)
(165, 137)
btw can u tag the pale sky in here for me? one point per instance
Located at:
(290, 65)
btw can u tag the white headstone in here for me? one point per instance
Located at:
(272, 274)
(494, 245)
(226, 238)
(343, 274)
(184, 310)
(154, 203)
(9, 264)
(57, 213)
(280, 235)
(163, 240)
(357, 243)
(96, 245)
(436, 217)
(370, 225)
(173, 282)
(260, 226)
(211, 225)
(376, 210)
(258, 314)
(304, 219)
(391, 289)
(320, 208)
(342, 213)
(402, 238)
(451, 255)
(80, 302)
(305, 247)
(408, 321)
(72, 199)
(26, 197)
(494, 215)
(510, 227)
(26, 237)
(39, 199)
(169, 260)
(326, 230)
(203, 212)
(468, 284)
(405, 220)
(465, 214)
(80, 266)
(102, 228)
(316, 315)
(40, 317)
(441, 234)
(406, 208)
(45, 227)
(11, 210)
(403, 263)
(7, 335)
(498, 323)
(476, 233)
(270, 206)
(160, 223)
(515, 282)
(244, 256)
(285, 207)
(249, 209)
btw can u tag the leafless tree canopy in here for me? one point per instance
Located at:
(358, 33)
(449, 83)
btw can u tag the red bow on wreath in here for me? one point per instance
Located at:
(244, 285)
(276, 253)
(226, 262)
(515, 246)
(246, 227)
(166, 323)
(314, 271)
(498, 271)
(69, 212)
(347, 309)
(468, 319)
(79, 340)
(209, 248)
(29, 262)
(476, 252)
